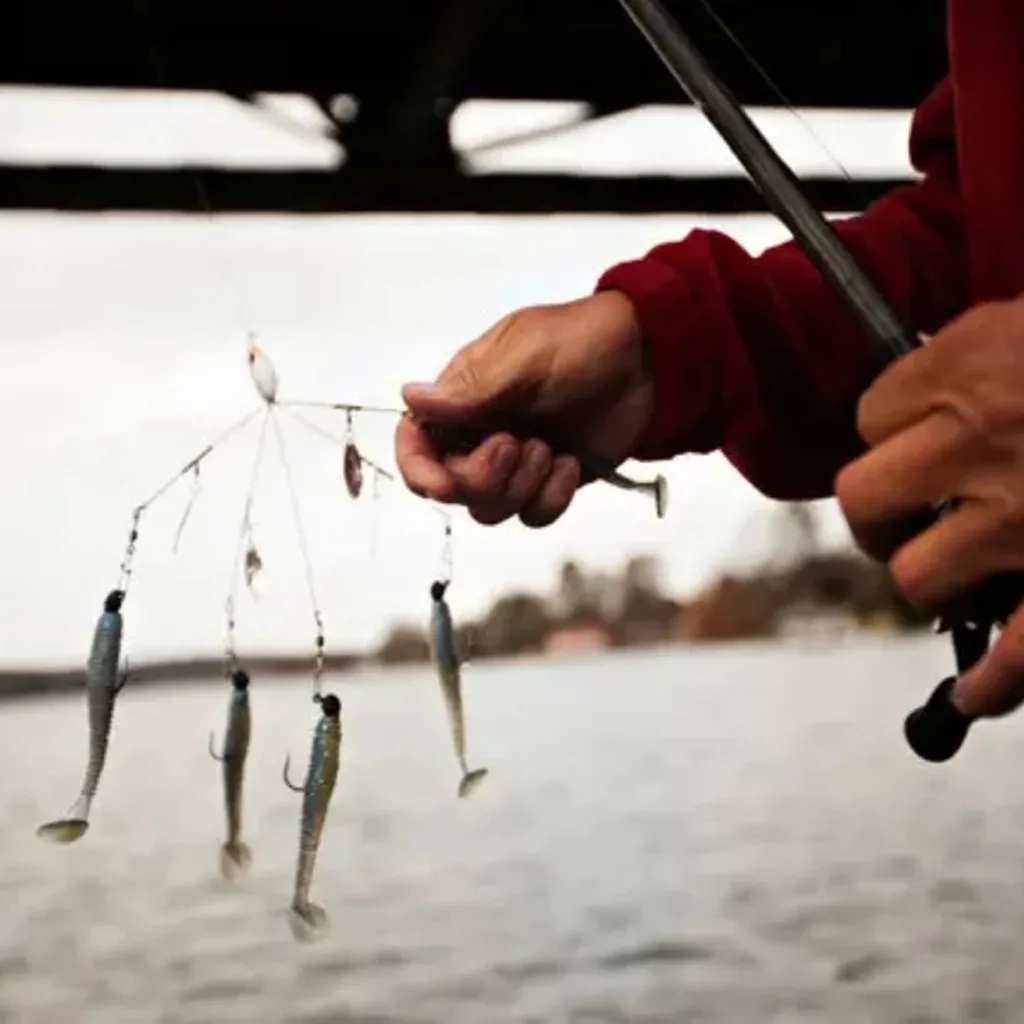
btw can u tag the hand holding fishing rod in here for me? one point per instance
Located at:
(945, 420)
(762, 358)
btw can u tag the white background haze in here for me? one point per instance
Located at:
(124, 341)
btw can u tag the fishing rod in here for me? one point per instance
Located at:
(936, 730)
(774, 179)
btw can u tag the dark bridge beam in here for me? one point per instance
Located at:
(416, 128)
(841, 53)
(95, 189)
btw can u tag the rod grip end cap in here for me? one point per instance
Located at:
(936, 730)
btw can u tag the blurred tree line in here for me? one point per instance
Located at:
(629, 607)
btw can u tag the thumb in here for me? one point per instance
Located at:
(441, 403)
(995, 686)
(461, 393)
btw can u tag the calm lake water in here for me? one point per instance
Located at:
(733, 834)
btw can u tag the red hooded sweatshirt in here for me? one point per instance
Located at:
(756, 356)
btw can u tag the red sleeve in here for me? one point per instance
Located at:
(756, 355)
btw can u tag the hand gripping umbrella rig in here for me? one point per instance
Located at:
(105, 677)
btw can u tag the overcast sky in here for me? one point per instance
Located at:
(124, 353)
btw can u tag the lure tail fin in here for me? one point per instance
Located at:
(71, 827)
(470, 781)
(308, 921)
(659, 490)
(656, 488)
(235, 859)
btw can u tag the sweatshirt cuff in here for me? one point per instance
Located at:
(672, 310)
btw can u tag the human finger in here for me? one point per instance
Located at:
(881, 541)
(420, 463)
(556, 494)
(444, 403)
(525, 483)
(959, 552)
(995, 686)
(478, 379)
(482, 476)
(902, 477)
(900, 396)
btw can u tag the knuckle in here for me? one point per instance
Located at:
(911, 576)
(475, 480)
(866, 415)
(476, 475)
(847, 488)
(529, 481)
(1005, 679)
(463, 371)
(1010, 648)
(1006, 518)
(410, 478)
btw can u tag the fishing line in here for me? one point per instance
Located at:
(197, 459)
(128, 558)
(300, 530)
(375, 519)
(331, 438)
(377, 471)
(346, 407)
(193, 464)
(447, 554)
(193, 498)
(244, 536)
(759, 69)
(380, 473)
(857, 186)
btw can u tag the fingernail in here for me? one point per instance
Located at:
(428, 388)
(937, 729)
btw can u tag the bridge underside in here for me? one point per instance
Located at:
(405, 67)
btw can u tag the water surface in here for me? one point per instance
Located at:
(717, 835)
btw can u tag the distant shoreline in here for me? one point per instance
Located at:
(589, 612)
(28, 682)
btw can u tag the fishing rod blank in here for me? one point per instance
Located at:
(773, 178)
(936, 730)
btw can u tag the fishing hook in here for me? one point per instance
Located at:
(212, 749)
(287, 781)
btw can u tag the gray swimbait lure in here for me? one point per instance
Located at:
(446, 661)
(104, 680)
(309, 921)
(235, 856)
